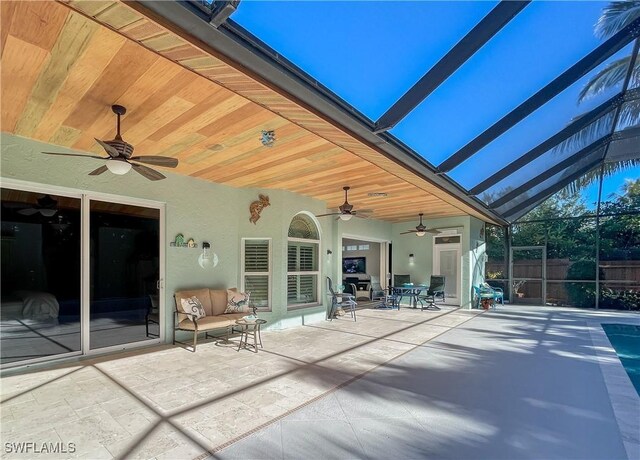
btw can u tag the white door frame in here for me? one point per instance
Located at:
(85, 197)
(436, 266)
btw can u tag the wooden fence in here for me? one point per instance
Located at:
(614, 274)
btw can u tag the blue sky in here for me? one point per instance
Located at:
(370, 53)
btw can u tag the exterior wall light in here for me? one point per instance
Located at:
(411, 259)
(207, 259)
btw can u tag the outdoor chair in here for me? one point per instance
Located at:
(389, 298)
(153, 314)
(399, 280)
(436, 287)
(340, 300)
(485, 291)
(377, 292)
(435, 291)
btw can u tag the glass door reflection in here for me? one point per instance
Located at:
(40, 306)
(124, 272)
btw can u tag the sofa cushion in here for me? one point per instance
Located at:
(218, 301)
(211, 322)
(237, 302)
(201, 294)
(207, 323)
(192, 306)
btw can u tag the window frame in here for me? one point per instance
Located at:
(268, 274)
(317, 302)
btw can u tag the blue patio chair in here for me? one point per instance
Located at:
(485, 291)
(376, 291)
(389, 299)
(344, 300)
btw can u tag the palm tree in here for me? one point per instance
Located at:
(614, 17)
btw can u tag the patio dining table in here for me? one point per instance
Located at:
(411, 291)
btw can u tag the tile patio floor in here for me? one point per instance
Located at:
(167, 402)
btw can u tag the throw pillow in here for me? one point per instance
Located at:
(193, 306)
(237, 302)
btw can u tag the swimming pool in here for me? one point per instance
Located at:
(625, 339)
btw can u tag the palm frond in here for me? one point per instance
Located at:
(629, 115)
(586, 136)
(611, 75)
(615, 16)
(594, 175)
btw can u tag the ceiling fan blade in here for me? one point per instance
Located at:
(329, 214)
(357, 214)
(147, 172)
(409, 231)
(433, 231)
(113, 153)
(100, 170)
(73, 155)
(27, 212)
(167, 162)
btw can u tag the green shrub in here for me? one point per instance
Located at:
(582, 295)
(620, 300)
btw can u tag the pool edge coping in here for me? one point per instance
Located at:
(623, 396)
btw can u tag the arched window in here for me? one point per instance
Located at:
(303, 265)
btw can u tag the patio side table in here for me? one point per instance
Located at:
(250, 329)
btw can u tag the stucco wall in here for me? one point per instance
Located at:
(422, 249)
(220, 215)
(202, 210)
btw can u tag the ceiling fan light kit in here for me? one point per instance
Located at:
(48, 212)
(118, 166)
(120, 160)
(346, 211)
(421, 229)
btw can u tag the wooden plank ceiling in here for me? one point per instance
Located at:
(64, 64)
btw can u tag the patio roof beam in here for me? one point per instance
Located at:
(551, 172)
(482, 32)
(538, 197)
(567, 78)
(551, 142)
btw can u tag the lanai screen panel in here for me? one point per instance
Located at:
(368, 53)
(528, 53)
(539, 126)
(586, 160)
(555, 133)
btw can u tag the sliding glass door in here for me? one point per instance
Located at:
(78, 274)
(40, 308)
(124, 269)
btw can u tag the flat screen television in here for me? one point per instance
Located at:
(354, 265)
